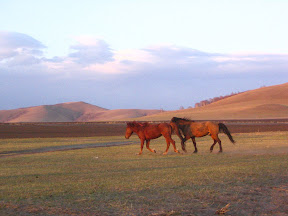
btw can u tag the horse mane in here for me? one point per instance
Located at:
(176, 119)
(135, 124)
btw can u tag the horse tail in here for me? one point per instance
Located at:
(223, 128)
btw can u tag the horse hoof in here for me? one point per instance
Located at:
(195, 152)
(154, 151)
(138, 153)
(165, 153)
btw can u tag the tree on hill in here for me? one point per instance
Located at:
(215, 99)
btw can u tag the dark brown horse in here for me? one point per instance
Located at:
(192, 129)
(146, 132)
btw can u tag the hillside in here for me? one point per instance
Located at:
(69, 112)
(263, 103)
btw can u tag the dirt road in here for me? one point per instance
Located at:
(61, 148)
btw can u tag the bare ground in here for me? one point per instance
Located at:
(91, 129)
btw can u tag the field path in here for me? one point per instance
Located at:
(62, 148)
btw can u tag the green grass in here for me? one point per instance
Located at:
(251, 176)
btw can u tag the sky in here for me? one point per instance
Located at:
(152, 54)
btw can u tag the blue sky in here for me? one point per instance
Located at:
(148, 54)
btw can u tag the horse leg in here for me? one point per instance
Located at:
(170, 140)
(212, 146)
(216, 139)
(194, 142)
(168, 145)
(220, 145)
(147, 146)
(174, 146)
(141, 148)
(183, 143)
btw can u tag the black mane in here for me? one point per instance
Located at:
(176, 119)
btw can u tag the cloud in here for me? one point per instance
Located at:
(92, 58)
(180, 59)
(175, 53)
(15, 44)
(19, 52)
(16, 40)
(92, 51)
(163, 76)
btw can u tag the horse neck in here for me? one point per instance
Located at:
(136, 129)
(182, 125)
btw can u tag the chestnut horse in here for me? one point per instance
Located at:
(192, 129)
(146, 132)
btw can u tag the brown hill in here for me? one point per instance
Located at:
(263, 103)
(118, 114)
(69, 112)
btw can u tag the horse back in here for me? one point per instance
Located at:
(152, 131)
(157, 130)
(200, 129)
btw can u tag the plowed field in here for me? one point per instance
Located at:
(91, 129)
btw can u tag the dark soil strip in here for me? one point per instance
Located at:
(260, 127)
(61, 148)
(50, 130)
(93, 129)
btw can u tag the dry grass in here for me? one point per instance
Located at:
(251, 176)
(263, 103)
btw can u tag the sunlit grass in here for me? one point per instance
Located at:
(114, 180)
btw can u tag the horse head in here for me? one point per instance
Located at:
(129, 129)
(134, 127)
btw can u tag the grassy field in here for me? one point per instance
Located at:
(251, 176)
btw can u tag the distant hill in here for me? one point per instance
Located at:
(70, 112)
(263, 103)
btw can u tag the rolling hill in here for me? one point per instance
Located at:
(70, 112)
(263, 103)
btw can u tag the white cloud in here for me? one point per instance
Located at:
(16, 40)
(95, 73)
(93, 58)
(15, 44)
(91, 51)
